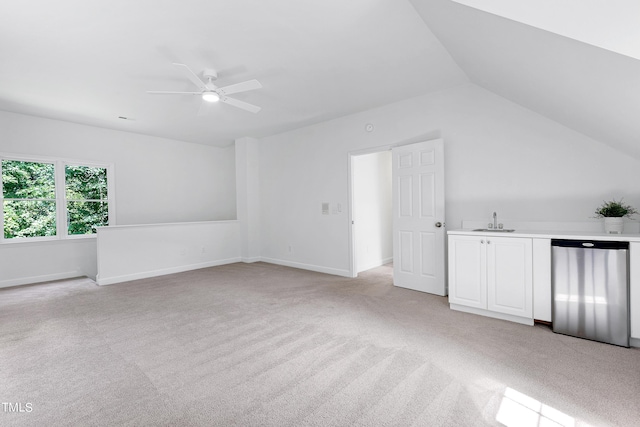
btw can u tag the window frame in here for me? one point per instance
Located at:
(54, 199)
(62, 232)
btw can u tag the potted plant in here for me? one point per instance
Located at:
(613, 213)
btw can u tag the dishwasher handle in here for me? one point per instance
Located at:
(590, 244)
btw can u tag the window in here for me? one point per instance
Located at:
(86, 196)
(44, 200)
(29, 192)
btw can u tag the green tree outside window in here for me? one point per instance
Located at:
(30, 197)
(29, 208)
(87, 201)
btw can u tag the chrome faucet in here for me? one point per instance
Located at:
(495, 220)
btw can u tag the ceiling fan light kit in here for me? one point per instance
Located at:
(211, 93)
(211, 97)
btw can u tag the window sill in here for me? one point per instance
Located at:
(46, 240)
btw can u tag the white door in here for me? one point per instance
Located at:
(418, 217)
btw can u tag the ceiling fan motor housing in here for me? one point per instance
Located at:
(210, 73)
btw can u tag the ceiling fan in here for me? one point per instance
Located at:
(211, 93)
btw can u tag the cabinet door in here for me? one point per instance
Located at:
(467, 271)
(510, 276)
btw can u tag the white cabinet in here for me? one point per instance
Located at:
(492, 275)
(510, 276)
(468, 271)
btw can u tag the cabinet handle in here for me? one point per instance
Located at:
(488, 241)
(482, 242)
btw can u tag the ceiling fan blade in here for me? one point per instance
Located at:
(191, 76)
(166, 92)
(240, 104)
(240, 87)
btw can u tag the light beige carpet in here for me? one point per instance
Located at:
(265, 345)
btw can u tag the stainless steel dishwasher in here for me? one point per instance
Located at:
(590, 281)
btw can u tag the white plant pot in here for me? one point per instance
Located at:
(613, 225)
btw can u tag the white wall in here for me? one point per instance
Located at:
(156, 181)
(372, 209)
(133, 252)
(248, 196)
(498, 157)
(25, 263)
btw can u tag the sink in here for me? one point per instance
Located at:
(496, 230)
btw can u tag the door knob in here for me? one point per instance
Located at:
(439, 224)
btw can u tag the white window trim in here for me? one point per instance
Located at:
(61, 197)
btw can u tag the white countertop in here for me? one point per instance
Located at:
(545, 234)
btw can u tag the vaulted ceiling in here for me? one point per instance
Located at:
(92, 63)
(587, 88)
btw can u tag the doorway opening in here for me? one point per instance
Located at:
(372, 208)
(400, 194)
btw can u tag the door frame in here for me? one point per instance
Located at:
(352, 235)
(352, 244)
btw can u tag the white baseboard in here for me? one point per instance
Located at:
(163, 271)
(375, 264)
(182, 268)
(634, 342)
(311, 267)
(39, 279)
